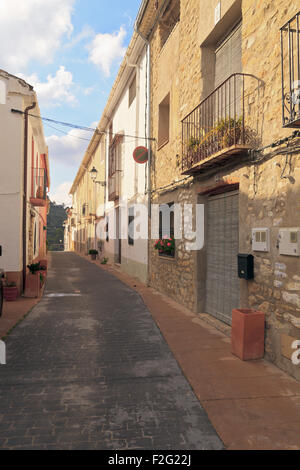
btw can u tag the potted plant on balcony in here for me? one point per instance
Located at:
(229, 131)
(165, 246)
(10, 291)
(33, 281)
(93, 254)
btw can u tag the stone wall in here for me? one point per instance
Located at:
(174, 71)
(269, 190)
(175, 276)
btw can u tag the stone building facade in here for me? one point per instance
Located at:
(88, 199)
(216, 115)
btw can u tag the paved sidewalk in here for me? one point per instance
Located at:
(89, 369)
(14, 312)
(252, 405)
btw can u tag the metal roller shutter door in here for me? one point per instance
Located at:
(222, 283)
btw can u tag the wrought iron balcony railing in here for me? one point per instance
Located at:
(39, 187)
(217, 128)
(290, 72)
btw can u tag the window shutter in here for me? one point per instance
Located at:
(229, 56)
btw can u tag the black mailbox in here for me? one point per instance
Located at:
(245, 266)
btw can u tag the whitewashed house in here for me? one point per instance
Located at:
(119, 182)
(24, 179)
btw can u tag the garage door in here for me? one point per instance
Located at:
(222, 283)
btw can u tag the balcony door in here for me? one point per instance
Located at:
(229, 61)
(118, 243)
(229, 56)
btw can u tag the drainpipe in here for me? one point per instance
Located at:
(29, 108)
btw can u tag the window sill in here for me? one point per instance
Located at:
(167, 257)
(162, 145)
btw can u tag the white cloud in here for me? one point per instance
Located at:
(107, 49)
(68, 149)
(88, 91)
(56, 90)
(60, 195)
(86, 33)
(32, 30)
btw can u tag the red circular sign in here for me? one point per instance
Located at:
(140, 155)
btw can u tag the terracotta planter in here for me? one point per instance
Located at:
(10, 293)
(44, 263)
(247, 334)
(32, 286)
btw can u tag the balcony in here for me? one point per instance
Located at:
(217, 129)
(38, 187)
(290, 72)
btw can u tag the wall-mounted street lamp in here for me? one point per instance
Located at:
(94, 174)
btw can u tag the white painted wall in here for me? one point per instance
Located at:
(130, 121)
(15, 94)
(11, 174)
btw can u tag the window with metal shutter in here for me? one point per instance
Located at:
(229, 56)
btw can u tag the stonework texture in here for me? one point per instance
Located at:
(269, 189)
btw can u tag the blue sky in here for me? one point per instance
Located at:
(70, 51)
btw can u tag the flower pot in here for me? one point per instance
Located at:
(93, 257)
(10, 293)
(44, 263)
(32, 285)
(247, 333)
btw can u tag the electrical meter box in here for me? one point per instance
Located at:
(289, 241)
(261, 239)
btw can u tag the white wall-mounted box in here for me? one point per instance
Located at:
(289, 241)
(261, 239)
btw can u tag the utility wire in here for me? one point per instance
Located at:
(75, 126)
(74, 136)
(67, 133)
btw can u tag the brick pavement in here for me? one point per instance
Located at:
(89, 369)
(253, 404)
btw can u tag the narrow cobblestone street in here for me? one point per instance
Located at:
(89, 369)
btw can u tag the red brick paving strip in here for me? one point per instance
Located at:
(252, 405)
(13, 312)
